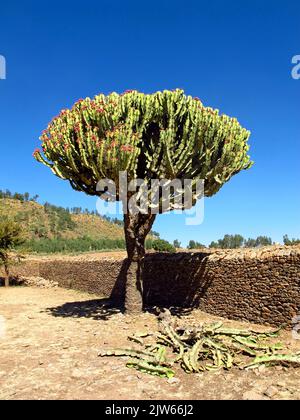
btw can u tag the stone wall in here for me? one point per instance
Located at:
(261, 286)
(30, 267)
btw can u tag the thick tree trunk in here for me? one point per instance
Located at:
(136, 229)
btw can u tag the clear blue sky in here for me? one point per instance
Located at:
(235, 56)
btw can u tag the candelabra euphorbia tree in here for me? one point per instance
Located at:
(164, 136)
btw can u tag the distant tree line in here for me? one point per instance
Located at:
(288, 241)
(238, 241)
(230, 242)
(18, 196)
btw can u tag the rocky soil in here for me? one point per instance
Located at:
(50, 339)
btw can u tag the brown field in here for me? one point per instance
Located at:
(53, 338)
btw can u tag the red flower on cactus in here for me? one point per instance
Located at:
(126, 148)
(36, 151)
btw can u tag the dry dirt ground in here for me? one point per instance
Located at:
(53, 337)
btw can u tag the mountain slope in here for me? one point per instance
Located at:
(50, 222)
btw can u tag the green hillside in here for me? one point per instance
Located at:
(51, 229)
(49, 221)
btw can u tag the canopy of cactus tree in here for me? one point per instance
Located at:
(165, 135)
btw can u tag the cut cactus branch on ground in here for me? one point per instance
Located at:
(210, 347)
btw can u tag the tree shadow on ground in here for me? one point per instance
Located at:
(13, 281)
(97, 309)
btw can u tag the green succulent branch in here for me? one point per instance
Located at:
(210, 347)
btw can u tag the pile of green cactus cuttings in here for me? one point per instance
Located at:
(208, 348)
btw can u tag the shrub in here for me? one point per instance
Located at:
(163, 246)
(195, 245)
(10, 238)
